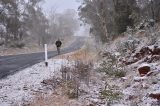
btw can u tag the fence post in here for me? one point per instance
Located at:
(46, 55)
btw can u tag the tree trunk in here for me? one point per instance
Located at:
(152, 10)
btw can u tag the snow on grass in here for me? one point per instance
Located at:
(19, 87)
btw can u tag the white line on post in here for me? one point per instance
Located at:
(46, 55)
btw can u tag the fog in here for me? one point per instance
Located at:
(61, 6)
(38, 21)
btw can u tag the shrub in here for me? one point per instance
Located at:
(17, 44)
(120, 73)
(73, 76)
(110, 67)
(1, 43)
(72, 89)
(20, 45)
(153, 38)
(110, 95)
(130, 45)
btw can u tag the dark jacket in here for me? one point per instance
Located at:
(58, 43)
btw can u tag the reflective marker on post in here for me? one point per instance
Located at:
(46, 55)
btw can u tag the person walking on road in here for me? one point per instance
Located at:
(58, 45)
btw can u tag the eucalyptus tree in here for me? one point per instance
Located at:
(107, 18)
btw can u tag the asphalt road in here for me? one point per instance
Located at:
(11, 64)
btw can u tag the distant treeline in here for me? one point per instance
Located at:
(23, 21)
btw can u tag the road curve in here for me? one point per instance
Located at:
(11, 64)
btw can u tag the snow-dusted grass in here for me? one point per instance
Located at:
(19, 88)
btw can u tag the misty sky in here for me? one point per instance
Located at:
(60, 5)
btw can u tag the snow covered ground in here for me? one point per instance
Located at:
(20, 87)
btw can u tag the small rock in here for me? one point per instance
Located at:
(123, 79)
(145, 51)
(145, 86)
(132, 97)
(156, 50)
(150, 73)
(155, 96)
(138, 79)
(91, 105)
(25, 88)
(144, 69)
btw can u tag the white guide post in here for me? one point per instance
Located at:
(46, 55)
